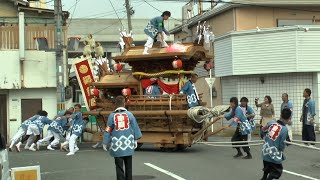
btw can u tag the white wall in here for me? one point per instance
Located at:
(39, 69)
(49, 104)
(250, 86)
(275, 50)
(10, 70)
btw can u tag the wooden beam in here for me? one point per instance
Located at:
(139, 113)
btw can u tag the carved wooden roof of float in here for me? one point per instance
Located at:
(117, 80)
(198, 53)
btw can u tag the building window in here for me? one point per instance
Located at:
(41, 43)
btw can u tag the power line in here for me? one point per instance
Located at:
(103, 13)
(159, 10)
(109, 26)
(74, 10)
(116, 13)
(80, 19)
(233, 2)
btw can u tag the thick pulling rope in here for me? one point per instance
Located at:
(255, 143)
(203, 115)
(230, 142)
(301, 145)
(311, 142)
(246, 145)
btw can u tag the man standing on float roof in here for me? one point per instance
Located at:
(154, 29)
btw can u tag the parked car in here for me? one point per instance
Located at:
(4, 161)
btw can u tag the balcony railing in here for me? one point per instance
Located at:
(9, 36)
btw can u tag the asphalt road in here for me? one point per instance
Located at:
(200, 162)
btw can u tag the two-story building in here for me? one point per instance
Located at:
(28, 63)
(264, 48)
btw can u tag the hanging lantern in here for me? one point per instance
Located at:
(94, 92)
(126, 92)
(177, 64)
(117, 67)
(208, 65)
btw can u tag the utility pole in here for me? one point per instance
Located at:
(58, 45)
(200, 7)
(128, 15)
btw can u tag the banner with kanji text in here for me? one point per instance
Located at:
(84, 73)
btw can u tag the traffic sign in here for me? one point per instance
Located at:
(210, 81)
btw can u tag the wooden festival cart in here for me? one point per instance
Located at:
(163, 120)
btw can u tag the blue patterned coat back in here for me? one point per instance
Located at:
(249, 111)
(192, 96)
(311, 111)
(78, 124)
(239, 119)
(275, 133)
(58, 125)
(41, 121)
(122, 130)
(155, 26)
(152, 91)
(27, 122)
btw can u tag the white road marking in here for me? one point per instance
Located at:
(37, 153)
(70, 171)
(300, 175)
(164, 171)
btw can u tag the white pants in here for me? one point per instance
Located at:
(289, 127)
(30, 140)
(18, 136)
(33, 129)
(150, 42)
(249, 137)
(49, 136)
(72, 142)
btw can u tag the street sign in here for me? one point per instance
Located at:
(28, 172)
(210, 81)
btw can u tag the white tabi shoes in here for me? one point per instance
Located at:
(32, 147)
(18, 146)
(50, 148)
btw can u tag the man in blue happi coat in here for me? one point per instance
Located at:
(35, 129)
(307, 117)
(249, 113)
(78, 126)
(153, 90)
(123, 132)
(275, 134)
(23, 130)
(190, 90)
(243, 127)
(56, 129)
(155, 29)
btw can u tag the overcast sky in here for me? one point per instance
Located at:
(103, 8)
